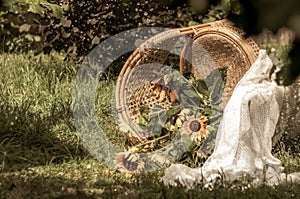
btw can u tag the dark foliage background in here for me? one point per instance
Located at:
(75, 27)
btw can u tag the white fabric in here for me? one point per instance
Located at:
(244, 138)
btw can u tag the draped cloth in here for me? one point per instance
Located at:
(244, 137)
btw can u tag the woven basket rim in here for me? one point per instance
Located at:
(222, 27)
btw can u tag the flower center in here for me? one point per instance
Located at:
(130, 165)
(195, 126)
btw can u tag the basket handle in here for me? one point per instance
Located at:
(186, 49)
(189, 31)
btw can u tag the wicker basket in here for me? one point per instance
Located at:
(223, 42)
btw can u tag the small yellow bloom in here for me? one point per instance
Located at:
(196, 128)
(129, 162)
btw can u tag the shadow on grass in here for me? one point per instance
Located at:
(36, 118)
(116, 185)
(77, 181)
(31, 139)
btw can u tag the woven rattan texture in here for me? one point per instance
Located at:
(222, 40)
(227, 47)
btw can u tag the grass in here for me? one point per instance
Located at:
(89, 179)
(41, 156)
(36, 118)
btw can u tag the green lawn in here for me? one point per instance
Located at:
(41, 155)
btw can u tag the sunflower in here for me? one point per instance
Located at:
(129, 162)
(196, 128)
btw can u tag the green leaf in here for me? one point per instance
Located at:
(190, 93)
(143, 121)
(36, 8)
(24, 28)
(193, 23)
(173, 111)
(56, 9)
(158, 115)
(96, 40)
(207, 110)
(29, 37)
(65, 22)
